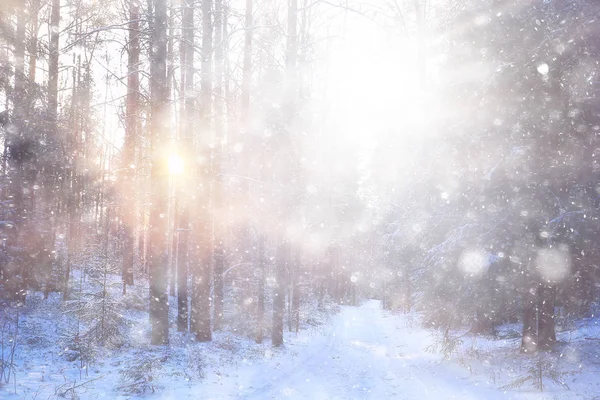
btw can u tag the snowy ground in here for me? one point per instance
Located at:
(367, 353)
(363, 353)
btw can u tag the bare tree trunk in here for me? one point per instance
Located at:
(72, 172)
(201, 310)
(407, 290)
(244, 164)
(247, 67)
(282, 258)
(172, 201)
(262, 259)
(420, 12)
(529, 341)
(295, 300)
(33, 49)
(187, 142)
(131, 132)
(15, 142)
(261, 289)
(159, 307)
(219, 227)
(290, 292)
(546, 321)
(283, 247)
(182, 273)
(218, 299)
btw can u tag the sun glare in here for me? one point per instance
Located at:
(371, 89)
(176, 166)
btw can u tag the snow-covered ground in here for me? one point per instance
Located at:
(362, 353)
(368, 353)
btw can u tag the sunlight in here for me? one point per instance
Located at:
(176, 166)
(373, 89)
(317, 199)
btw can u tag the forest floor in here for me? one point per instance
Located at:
(368, 353)
(360, 353)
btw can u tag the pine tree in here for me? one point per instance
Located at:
(159, 307)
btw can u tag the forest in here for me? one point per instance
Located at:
(203, 182)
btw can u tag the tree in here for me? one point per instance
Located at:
(159, 304)
(281, 264)
(201, 310)
(187, 140)
(283, 251)
(132, 129)
(219, 224)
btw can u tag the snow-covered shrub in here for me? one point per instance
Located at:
(101, 317)
(95, 305)
(540, 369)
(135, 300)
(141, 372)
(196, 363)
(315, 313)
(9, 335)
(446, 344)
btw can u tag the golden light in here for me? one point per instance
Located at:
(372, 85)
(175, 165)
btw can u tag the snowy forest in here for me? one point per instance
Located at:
(304, 199)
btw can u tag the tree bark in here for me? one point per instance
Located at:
(295, 314)
(129, 147)
(260, 317)
(187, 142)
(529, 341)
(19, 115)
(546, 321)
(247, 67)
(35, 7)
(159, 308)
(282, 260)
(282, 257)
(218, 208)
(201, 307)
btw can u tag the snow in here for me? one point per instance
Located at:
(543, 68)
(554, 264)
(361, 353)
(473, 262)
(366, 353)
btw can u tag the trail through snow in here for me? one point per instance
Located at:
(365, 353)
(361, 353)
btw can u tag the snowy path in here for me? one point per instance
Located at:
(365, 353)
(362, 353)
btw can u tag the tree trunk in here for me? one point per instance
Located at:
(187, 142)
(407, 290)
(420, 13)
(219, 259)
(172, 137)
(129, 147)
(247, 67)
(159, 307)
(260, 317)
(243, 166)
(282, 257)
(218, 208)
(201, 310)
(16, 140)
(182, 272)
(529, 341)
(281, 266)
(35, 7)
(295, 314)
(546, 321)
